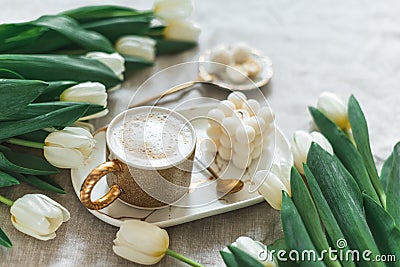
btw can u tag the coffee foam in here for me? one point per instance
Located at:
(152, 138)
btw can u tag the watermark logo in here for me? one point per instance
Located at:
(342, 253)
(341, 243)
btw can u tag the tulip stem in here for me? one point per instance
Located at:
(6, 201)
(183, 258)
(27, 143)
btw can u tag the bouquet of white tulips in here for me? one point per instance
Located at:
(336, 206)
(46, 98)
(27, 121)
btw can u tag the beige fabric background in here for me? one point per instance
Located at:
(342, 46)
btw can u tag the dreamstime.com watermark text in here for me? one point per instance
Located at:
(342, 254)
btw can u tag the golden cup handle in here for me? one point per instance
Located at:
(92, 179)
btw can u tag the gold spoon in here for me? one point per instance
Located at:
(174, 90)
(227, 186)
(207, 78)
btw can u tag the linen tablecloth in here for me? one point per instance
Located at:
(340, 46)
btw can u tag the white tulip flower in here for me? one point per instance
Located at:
(113, 61)
(255, 249)
(275, 180)
(182, 30)
(87, 92)
(38, 216)
(173, 9)
(334, 108)
(301, 143)
(137, 46)
(141, 242)
(68, 148)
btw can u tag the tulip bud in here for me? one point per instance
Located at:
(141, 242)
(301, 144)
(68, 148)
(334, 108)
(88, 92)
(182, 30)
(137, 46)
(275, 180)
(254, 249)
(38, 216)
(113, 61)
(173, 9)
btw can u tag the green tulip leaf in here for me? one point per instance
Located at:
(59, 68)
(346, 151)
(7, 180)
(36, 136)
(309, 215)
(136, 63)
(165, 46)
(46, 42)
(9, 74)
(359, 129)
(114, 28)
(41, 182)
(54, 90)
(296, 235)
(17, 94)
(344, 198)
(4, 240)
(383, 228)
(229, 259)
(98, 23)
(95, 13)
(393, 187)
(244, 259)
(328, 219)
(59, 118)
(157, 32)
(24, 163)
(280, 245)
(38, 109)
(49, 33)
(385, 171)
(68, 27)
(17, 36)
